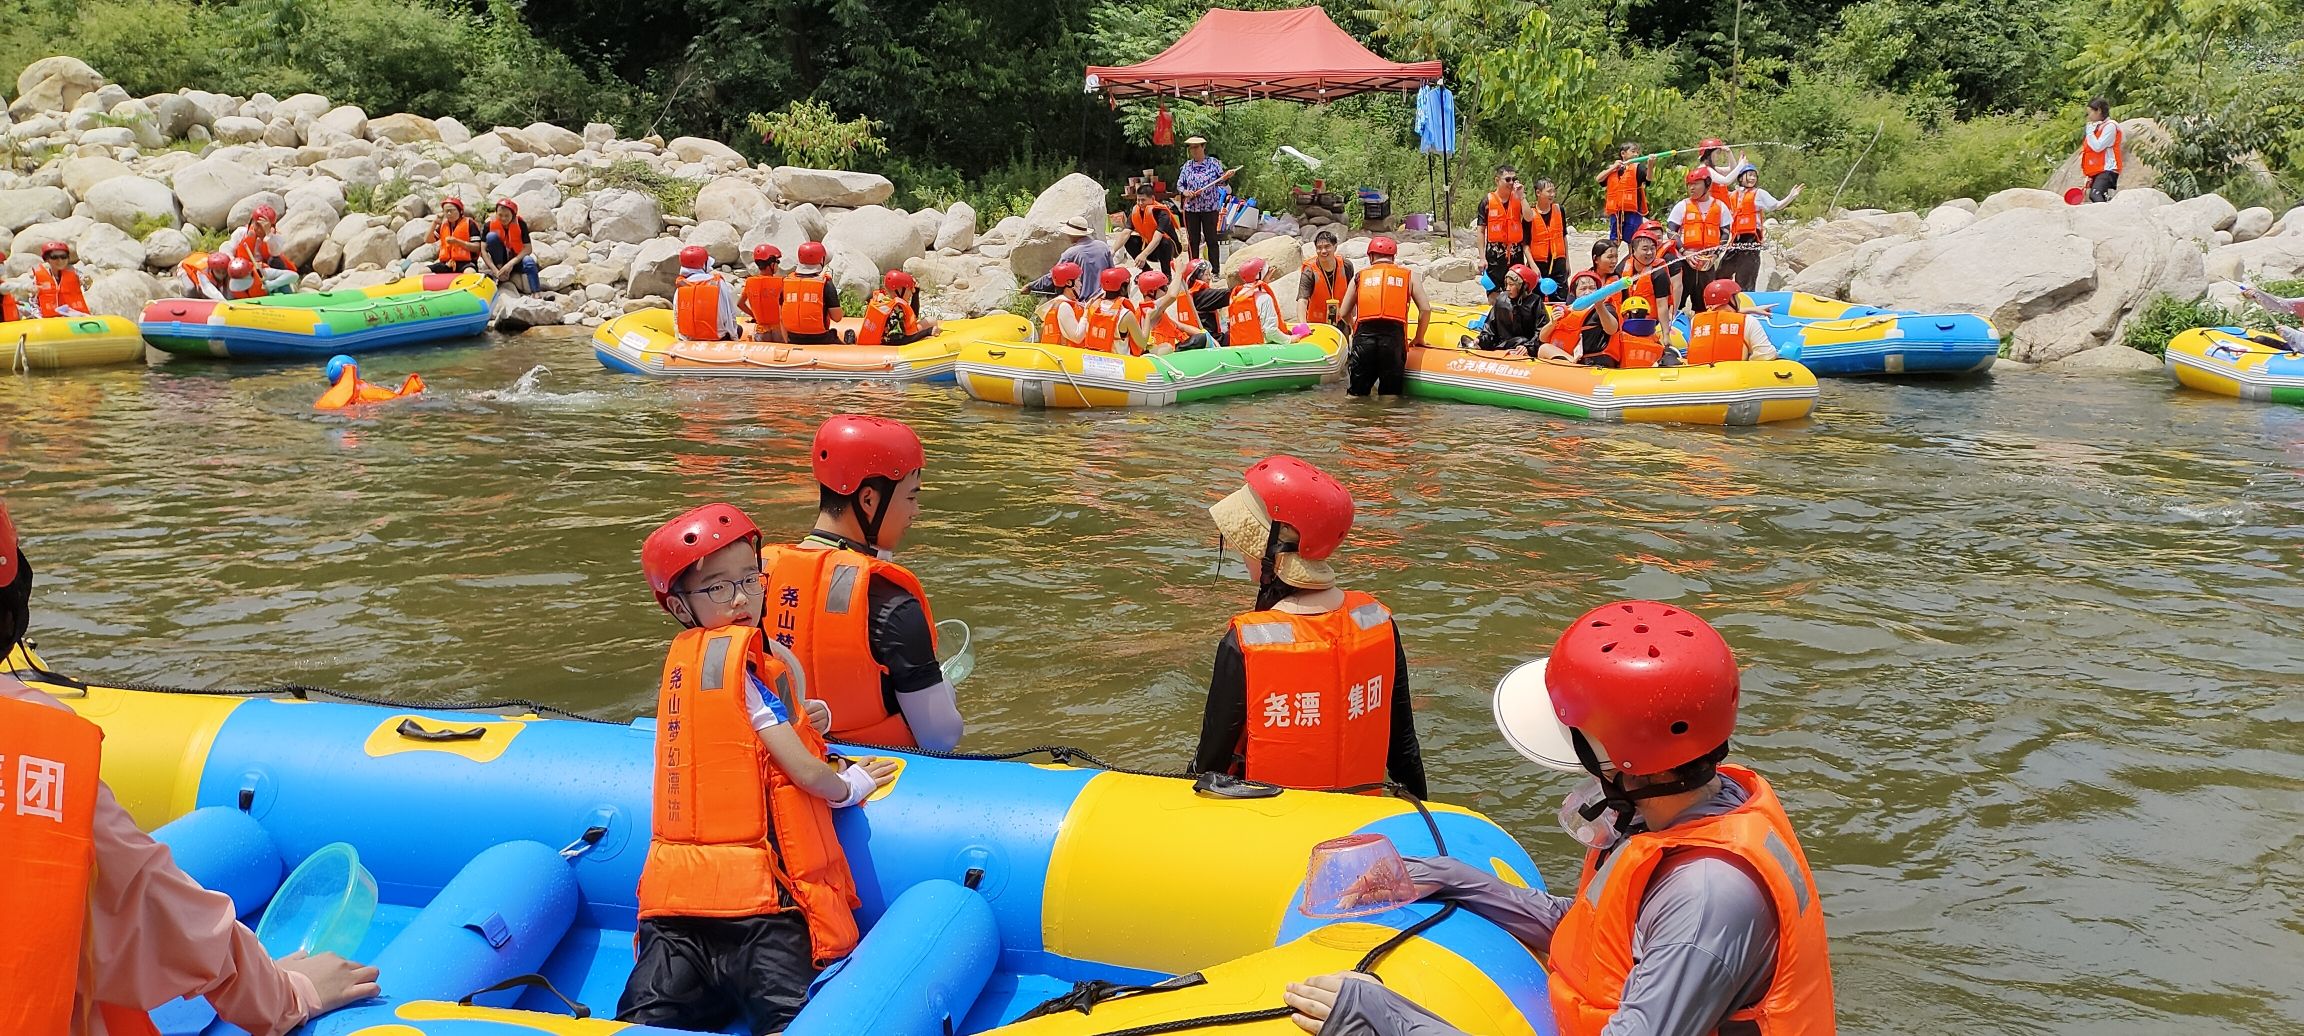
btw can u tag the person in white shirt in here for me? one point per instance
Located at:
(2100, 151)
(1748, 207)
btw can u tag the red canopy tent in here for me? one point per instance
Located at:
(1296, 55)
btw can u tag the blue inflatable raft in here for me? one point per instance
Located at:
(1840, 339)
(507, 850)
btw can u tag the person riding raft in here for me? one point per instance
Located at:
(763, 298)
(1310, 687)
(1165, 312)
(892, 317)
(1517, 314)
(704, 305)
(1112, 326)
(259, 243)
(347, 389)
(811, 305)
(1725, 333)
(1064, 319)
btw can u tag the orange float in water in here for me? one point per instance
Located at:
(347, 390)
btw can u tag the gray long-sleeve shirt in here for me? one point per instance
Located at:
(1705, 941)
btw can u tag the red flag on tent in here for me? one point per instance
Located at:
(1164, 128)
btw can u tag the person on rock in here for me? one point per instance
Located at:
(259, 242)
(1153, 239)
(892, 317)
(1701, 224)
(1625, 183)
(1310, 686)
(1748, 206)
(763, 299)
(1167, 315)
(1200, 182)
(1378, 313)
(1503, 218)
(1724, 332)
(507, 249)
(1112, 324)
(57, 287)
(1548, 235)
(2101, 158)
(745, 895)
(242, 282)
(1088, 251)
(811, 309)
(704, 303)
(456, 237)
(1323, 283)
(102, 924)
(1696, 911)
(1064, 319)
(1517, 314)
(859, 621)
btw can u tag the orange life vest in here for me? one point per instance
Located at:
(1625, 192)
(1320, 695)
(1652, 284)
(47, 822)
(257, 250)
(696, 310)
(2092, 161)
(804, 305)
(877, 314)
(1716, 336)
(254, 290)
(1327, 289)
(1104, 327)
(1567, 330)
(53, 292)
(1145, 221)
(730, 827)
(1383, 294)
(1634, 351)
(1592, 947)
(514, 235)
(1744, 207)
(1179, 323)
(454, 239)
(820, 608)
(1551, 240)
(8, 308)
(1701, 227)
(194, 270)
(764, 299)
(1243, 324)
(1052, 326)
(1505, 221)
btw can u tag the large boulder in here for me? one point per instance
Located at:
(536, 192)
(302, 231)
(2010, 267)
(80, 175)
(359, 170)
(2251, 223)
(125, 201)
(811, 220)
(213, 106)
(344, 122)
(166, 247)
(928, 222)
(717, 237)
(302, 108)
(452, 132)
(2263, 259)
(141, 123)
(548, 139)
(25, 206)
(781, 229)
(852, 275)
(239, 129)
(106, 247)
(2019, 198)
(1281, 253)
(1042, 238)
(958, 229)
(2137, 260)
(698, 149)
(246, 207)
(655, 270)
(831, 186)
(29, 239)
(53, 84)
(627, 216)
(319, 192)
(174, 115)
(209, 188)
(731, 200)
(1948, 219)
(2137, 138)
(884, 236)
(519, 313)
(2196, 218)
(2114, 359)
(402, 128)
(123, 293)
(109, 136)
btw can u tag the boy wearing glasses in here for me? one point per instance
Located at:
(1504, 214)
(745, 895)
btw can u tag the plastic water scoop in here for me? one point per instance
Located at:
(325, 906)
(1355, 876)
(957, 661)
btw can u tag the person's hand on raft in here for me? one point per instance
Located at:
(1315, 998)
(881, 770)
(338, 981)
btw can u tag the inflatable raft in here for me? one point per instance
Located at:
(316, 325)
(1740, 393)
(1841, 339)
(51, 343)
(645, 343)
(1034, 374)
(507, 848)
(2224, 360)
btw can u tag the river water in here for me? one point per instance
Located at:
(2021, 654)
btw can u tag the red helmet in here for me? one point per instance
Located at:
(265, 213)
(1151, 282)
(1527, 274)
(1199, 272)
(50, 248)
(219, 264)
(1062, 274)
(695, 257)
(766, 253)
(1710, 143)
(452, 200)
(1114, 279)
(1720, 293)
(1319, 508)
(507, 203)
(1383, 246)
(812, 253)
(1698, 175)
(1648, 232)
(898, 280)
(853, 447)
(7, 548)
(679, 544)
(1652, 685)
(241, 268)
(1251, 271)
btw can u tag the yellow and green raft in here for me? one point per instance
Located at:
(316, 325)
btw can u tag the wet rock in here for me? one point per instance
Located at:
(831, 186)
(526, 311)
(2114, 359)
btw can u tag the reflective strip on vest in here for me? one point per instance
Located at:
(1370, 615)
(715, 662)
(1783, 856)
(1269, 633)
(1599, 882)
(839, 588)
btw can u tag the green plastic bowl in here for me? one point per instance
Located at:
(956, 651)
(325, 906)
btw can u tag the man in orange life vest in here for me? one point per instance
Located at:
(859, 621)
(1153, 239)
(893, 315)
(56, 286)
(1723, 332)
(1378, 313)
(506, 246)
(456, 237)
(1324, 282)
(763, 299)
(1696, 911)
(102, 925)
(811, 305)
(1626, 201)
(1310, 688)
(2100, 157)
(745, 895)
(704, 305)
(1503, 217)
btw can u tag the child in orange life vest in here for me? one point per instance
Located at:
(1064, 319)
(507, 247)
(1748, 207)
(241, 282)
(763, 298)
(1724, 332)
(1626, 184)
(1635, 337)
(1112, 324)
(745, 895)
(1702, 221)
(1310, 688)
(1166, 312)
(56, 286)
(456, 237)
(259, 243)
(811, 310)
(704, 305)
(893, 316)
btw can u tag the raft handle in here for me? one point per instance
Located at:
(590, 838)
(1226, 786)
(536, 981)
(414, 731)
(973, 878)
(1783, 375)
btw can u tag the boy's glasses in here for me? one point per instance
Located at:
(725, 591)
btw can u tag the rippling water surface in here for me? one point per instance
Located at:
(2022, 654)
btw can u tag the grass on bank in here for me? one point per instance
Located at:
(2166, 317)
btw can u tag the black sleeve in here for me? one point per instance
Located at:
(902, 642)
(1480, 216)
(1226, 717)
(1405, 762)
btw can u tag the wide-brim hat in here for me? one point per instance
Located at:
(1242, 521)
(1190, 141)
(1076, 227)
(1529, 723)
(808, 270)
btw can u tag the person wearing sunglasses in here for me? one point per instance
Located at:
(1504, 215)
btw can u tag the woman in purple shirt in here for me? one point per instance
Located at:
(1203, 204)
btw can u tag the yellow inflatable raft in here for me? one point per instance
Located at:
(1744, 392)
(2226, 361)
(1035, 374)
(645, 343)
(51, 343)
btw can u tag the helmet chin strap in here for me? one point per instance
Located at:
(1269, 589)
(868, 522)
(1626, 801)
